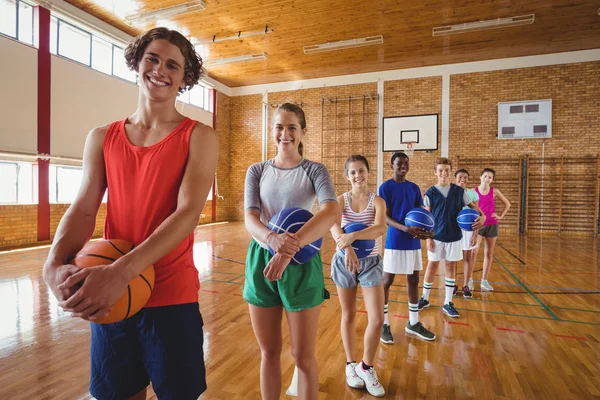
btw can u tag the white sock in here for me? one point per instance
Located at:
(449, 290)
(413, 313)
(386, 321)
(426, 289)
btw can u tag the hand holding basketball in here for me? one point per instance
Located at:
(414, 231)
(102, 286)
(286, 243)
(479, 221)
(276, 266)
(55, 276)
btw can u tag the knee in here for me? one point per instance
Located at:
(271, 353)
(376, 320)
(303, 357)
(413, 279)
(348, 316)
(388, 280)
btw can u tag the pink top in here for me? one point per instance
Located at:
(488, 206)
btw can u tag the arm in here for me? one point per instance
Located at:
(104, 285)
(336, 229)
(77, 225)
(372, 232)
(504, 201)
(318, 225)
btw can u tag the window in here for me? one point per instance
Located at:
(8, 17)
(120, 67)
(101, 55)
(74, 43)
(16, 181)
(8, 182)
(25, 23)
(64, 183)
(53, 34)
(197, 96)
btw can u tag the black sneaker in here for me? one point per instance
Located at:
(455, 290)
(467, 292)
(386, 335)
(419, 330)
(423, 303)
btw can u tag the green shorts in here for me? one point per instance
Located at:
(301, 286)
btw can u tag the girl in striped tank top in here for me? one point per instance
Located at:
(347, 271)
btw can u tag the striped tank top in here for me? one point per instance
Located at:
(367, 217)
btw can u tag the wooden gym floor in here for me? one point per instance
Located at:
(537, 336)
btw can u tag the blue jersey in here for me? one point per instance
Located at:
(400, 198)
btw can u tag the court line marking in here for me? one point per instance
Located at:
(548, 310)
(460, 308)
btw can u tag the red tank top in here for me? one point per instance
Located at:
(143, 185)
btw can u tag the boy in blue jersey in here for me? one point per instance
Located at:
(445, 200)
(402, 253)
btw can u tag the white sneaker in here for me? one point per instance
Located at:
(371, 382)
(352, 379)
(470, 285)
(485, 285)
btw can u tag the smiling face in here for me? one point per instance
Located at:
(161, 71)
(442, 172)
(487, 178)
(357, 174)
(462, 179)
(287, 132)
(400, 166)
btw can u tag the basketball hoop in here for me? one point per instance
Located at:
(408, 150)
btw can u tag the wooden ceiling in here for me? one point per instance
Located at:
(560, 25)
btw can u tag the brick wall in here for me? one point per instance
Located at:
(575, 93)
(415, 97)
(18, 224)
(223, 168)
(246, 147)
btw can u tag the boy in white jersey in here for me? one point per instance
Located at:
(360, 205)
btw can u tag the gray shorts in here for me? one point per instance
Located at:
(488, 231)
(371, 272)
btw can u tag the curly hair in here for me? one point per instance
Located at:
(192, 71)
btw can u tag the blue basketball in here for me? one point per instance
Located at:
(421, 218)
(466, 218)
(362, 248)
(291, 220)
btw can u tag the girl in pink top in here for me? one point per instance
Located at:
(489, 231)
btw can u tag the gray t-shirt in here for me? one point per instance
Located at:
(270, 189)
(444, 190)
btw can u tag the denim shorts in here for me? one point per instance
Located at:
(370, 274)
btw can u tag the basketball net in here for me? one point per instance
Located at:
(408, 150)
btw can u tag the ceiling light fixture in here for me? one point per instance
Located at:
(240, 35)
(188, 7)
(483, 25)
(344, 44)
(233, 60)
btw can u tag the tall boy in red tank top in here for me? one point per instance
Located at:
(158, 167)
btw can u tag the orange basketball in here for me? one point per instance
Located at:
(138, 292)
